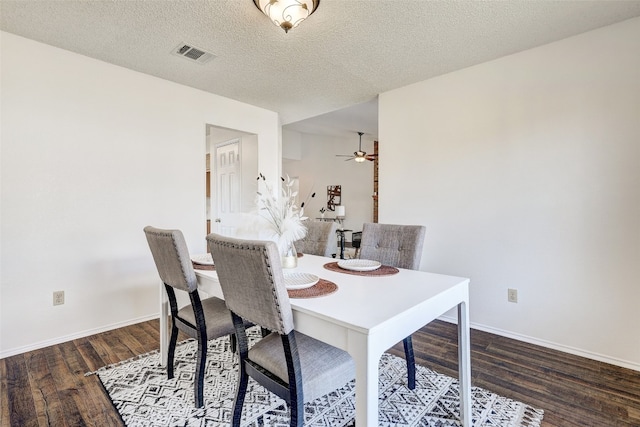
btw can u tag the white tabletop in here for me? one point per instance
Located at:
(366, 303)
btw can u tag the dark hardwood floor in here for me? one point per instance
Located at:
(47, 387)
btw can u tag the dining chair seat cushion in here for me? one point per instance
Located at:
(218, 324)
(324, 368)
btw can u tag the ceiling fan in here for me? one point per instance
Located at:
(359, 156)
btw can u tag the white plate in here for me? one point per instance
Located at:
(299, 280)
(359, 264)
(203, 259)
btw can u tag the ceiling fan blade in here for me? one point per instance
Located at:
(371, 157)
(350, 158)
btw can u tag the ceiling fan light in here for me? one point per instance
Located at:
(287, 14)
(360, 159)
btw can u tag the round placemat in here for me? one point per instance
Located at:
(384, 270)
(320, 289)
(202, 266)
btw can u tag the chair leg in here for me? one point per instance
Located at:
(234, 343)
(172, 351)
(296, 393)
(200, 368)
(411, 362)
(296, 408)
(243, 380)
(243, 377)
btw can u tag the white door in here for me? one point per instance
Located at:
(228, 185)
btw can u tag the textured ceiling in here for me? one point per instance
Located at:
(344, 54)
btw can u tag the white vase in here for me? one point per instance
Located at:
(290, 257)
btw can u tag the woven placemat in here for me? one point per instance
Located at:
(320, 289)
(203, 266)
(384, 270)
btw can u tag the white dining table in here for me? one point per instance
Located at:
(366, 316)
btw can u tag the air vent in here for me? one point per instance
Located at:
(193, 53)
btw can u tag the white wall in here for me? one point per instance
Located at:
(319, 167)
(249, 173)
(92, 153)
(291, 145)
(526, 172)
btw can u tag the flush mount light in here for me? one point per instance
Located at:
(287, 14)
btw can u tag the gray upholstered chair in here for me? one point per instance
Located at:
(320, 239)
(292, 365)
(398, 246)
(202, 319)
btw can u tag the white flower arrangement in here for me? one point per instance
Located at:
(281, 216)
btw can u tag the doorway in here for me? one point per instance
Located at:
(231, 172)
(228, 184)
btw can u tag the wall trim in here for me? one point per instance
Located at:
(548, 344)
(70, 337)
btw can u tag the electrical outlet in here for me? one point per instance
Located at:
(58, 298)
(512, 295)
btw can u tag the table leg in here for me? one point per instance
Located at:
(366, 363)
(464, 363)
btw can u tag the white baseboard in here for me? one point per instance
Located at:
(82, 334)
(449, 319)
(548, 344)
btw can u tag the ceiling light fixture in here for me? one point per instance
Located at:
(359, 156)
(287, 14)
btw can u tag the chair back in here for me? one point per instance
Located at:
(171, 256)
(395, 245)
(250, 275)
(320, 239)
(356, 239)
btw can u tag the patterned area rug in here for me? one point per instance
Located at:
(142, 394)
